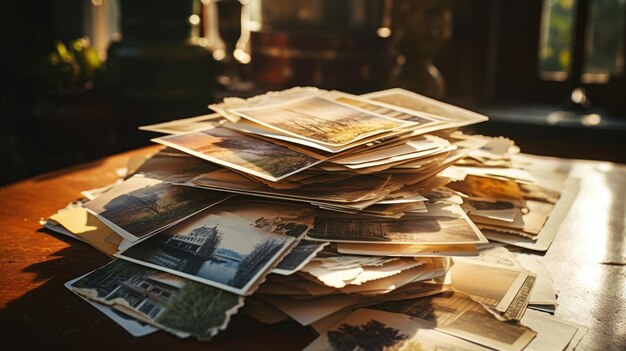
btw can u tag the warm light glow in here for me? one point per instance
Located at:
(383, 32)
(96, 2)
(593, 119)
(194, 19)
(578, 96)
(219, 54)
(242, 56)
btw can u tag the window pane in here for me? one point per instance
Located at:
(603, 44)
(555, 52)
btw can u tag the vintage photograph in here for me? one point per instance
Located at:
(367, 329)
(185, 125)
(321, 120)
(241, 152)
(457, 314)
(436, 227)
(142, 206)
(222, 250)
(456, 116)
(176, 304)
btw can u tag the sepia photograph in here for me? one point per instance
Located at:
(176, 304)
(459, 315)
(140, 206)
(222, 250)
(368, 329)
(456, 116)
(241, 152)
(438, 226)
(321, 120)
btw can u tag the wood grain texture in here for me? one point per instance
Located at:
(587, 262)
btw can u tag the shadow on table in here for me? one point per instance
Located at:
(52, 316)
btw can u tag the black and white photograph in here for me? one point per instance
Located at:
(218, 249)
(141, 206)
(173, 303)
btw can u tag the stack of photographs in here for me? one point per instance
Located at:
(314, 205)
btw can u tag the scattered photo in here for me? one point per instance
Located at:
(241, 152)
(140, 206)
(443, 224)
(185, 125)
(368, 329)
(222, 250)
(456, 116)
(321, 120)
(175, 304)
(458, 315)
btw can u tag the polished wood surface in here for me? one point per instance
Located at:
(587, 262)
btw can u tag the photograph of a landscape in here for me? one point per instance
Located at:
(141, 206)
(321, 120)
(241, 152)
(176, 304)
(222, 250)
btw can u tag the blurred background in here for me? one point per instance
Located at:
(79, 76)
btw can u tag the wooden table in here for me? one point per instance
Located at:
(587, 262)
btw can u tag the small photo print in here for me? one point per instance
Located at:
(176, 304)
(321, 120)
(221, 250)
(140, 206)
(241, 152)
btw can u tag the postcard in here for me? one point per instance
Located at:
(459, 315)
(456, 116)
(219, 249)
(242, 152)
(175, 304)
(140, 207)
(322, 120)
(368, 329)
(133, 326)
(444, 224)
(185, 125)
